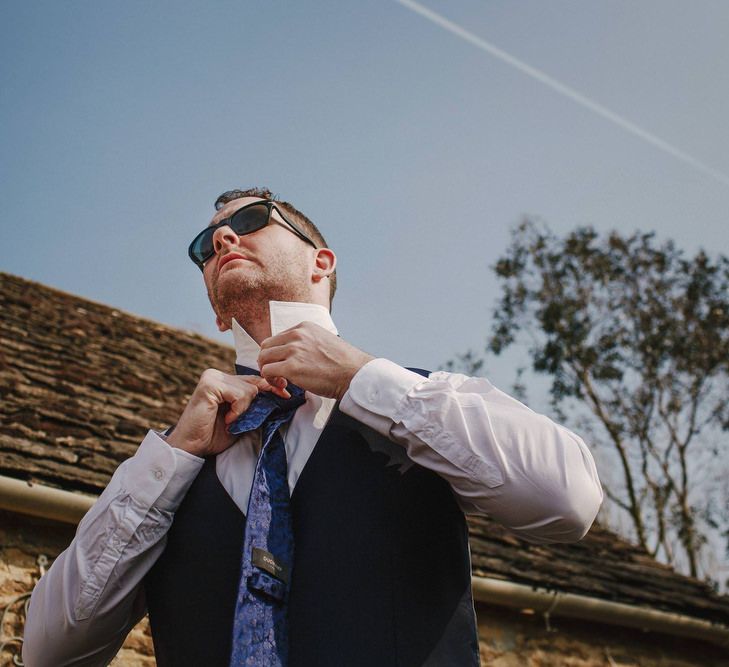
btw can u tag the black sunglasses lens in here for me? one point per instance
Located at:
(201, 247)
(245, 221)
(249, 219)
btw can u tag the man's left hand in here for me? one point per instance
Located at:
(312, 358)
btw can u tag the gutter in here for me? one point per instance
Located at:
(67, 507)
(43, 501)
(586, 608)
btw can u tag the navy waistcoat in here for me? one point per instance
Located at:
(381, 574)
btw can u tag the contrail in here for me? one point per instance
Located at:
(565, 90)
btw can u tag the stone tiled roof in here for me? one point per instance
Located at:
(601, 565)
(81, 383)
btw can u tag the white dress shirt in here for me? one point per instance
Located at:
(499, 457)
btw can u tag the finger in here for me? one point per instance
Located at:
(276, 385)
(217, 381)
(279, 387)
(237, 382)
(277, 369)
(234, 387)
(279, 382)
(237, 408)
(234, 384)
(227, 387)
(287, 336)
(276, 353)
(260, 382)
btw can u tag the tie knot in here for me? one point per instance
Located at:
(267, 407)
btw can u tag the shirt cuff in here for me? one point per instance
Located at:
(377, 394)
(160, 475)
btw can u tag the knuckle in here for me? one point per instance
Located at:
(208, 376)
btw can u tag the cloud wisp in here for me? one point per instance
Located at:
(565, 90)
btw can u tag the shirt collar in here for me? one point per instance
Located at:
(284, 315)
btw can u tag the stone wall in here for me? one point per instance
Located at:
(23, 540)
(513, 639)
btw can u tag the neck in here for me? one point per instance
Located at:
(258, 331)
(255, 318)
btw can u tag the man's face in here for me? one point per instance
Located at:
(248, 271)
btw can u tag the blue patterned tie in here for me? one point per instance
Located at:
(260, 628)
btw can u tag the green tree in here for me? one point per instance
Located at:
(635, 338)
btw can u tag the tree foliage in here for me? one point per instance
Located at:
(635, 336)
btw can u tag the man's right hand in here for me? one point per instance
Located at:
(218, 400)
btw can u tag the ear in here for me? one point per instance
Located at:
(325, 261)
(222, 326)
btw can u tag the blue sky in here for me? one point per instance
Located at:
(412, 149)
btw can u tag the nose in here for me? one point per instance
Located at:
(224, 236)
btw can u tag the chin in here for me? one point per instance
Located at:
(245, 296)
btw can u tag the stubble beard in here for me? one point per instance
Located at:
(245, 294)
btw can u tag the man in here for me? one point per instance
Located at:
(380, 464)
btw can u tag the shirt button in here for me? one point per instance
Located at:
(158, 474)
(373, 396)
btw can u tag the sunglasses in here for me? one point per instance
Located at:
(246, 220)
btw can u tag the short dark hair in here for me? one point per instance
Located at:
(297, 216)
